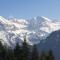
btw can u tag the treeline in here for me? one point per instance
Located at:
(24, 52)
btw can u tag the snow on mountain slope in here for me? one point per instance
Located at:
(35, 29)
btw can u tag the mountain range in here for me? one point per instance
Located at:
(42, 31)
(13, 30)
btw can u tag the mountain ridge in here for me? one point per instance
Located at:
(52, 42)
(35, 29)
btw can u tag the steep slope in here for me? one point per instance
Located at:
(35, 29)
(51, 42)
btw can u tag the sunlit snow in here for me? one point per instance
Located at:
(13, 30)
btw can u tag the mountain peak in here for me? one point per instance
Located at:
(42, 19)
(36, 29)
(1, 17)
(46, 18)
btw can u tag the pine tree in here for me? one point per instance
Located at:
(35, 54)
(10, 54)
(2, 52)
(43, 56)
(50, 55)
(25, 50)
(17, 52)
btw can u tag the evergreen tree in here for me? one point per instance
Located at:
(42, 56)
(17, 52)
(10, 54)
(50, 55)
(2, 52)
(35, 54)
(25, 50)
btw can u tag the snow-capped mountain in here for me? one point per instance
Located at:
(38, 28)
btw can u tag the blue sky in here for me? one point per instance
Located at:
(30, 8)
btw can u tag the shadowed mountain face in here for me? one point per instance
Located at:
(51, 42)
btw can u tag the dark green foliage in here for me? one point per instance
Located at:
(35, 54)
(43, 56)
(50, 55)
(10, 55)
(25, 50)
(17, 52)
(47, 55)
(2, 52)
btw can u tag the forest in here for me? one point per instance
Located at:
(24, 52)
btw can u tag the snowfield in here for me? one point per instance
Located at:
(35, 29)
